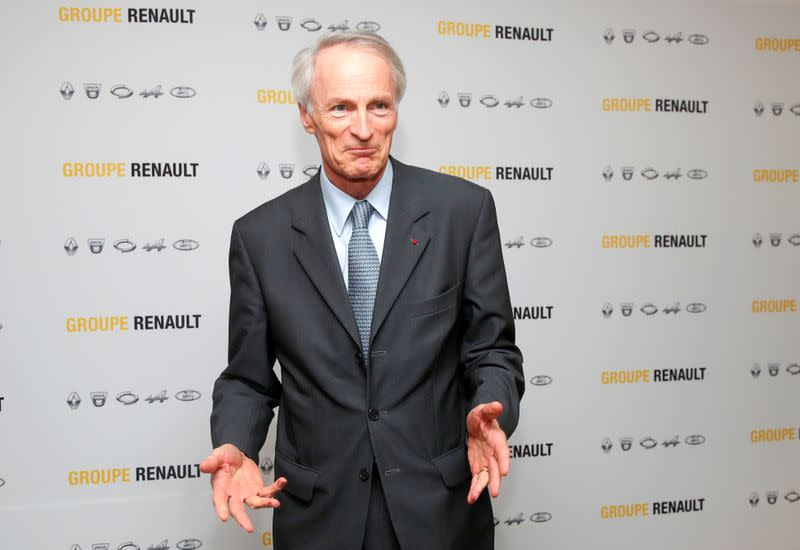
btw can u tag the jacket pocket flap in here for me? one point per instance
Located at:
(437, 303)
(300, 480)
(454, 466)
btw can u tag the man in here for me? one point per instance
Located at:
(380, 288)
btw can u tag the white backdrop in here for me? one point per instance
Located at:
(222, 110)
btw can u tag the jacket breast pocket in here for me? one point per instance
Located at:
(440, 302)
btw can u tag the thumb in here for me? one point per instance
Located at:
(210, 464)
(490, 411)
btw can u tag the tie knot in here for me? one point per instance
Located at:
(362, 210)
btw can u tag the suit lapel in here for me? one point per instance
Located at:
(313, 247)
(405, 241)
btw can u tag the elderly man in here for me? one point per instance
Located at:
(380, 289)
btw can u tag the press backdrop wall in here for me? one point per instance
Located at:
(522, 98)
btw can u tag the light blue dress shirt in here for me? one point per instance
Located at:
(338, 205)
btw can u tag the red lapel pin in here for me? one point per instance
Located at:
(415, 242)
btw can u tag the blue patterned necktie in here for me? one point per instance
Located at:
(363, 267)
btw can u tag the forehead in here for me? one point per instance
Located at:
(352, 66)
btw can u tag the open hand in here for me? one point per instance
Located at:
(236, 479)
(487, 450)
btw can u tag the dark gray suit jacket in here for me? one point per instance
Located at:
(442, 342)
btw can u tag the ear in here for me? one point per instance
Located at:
(305, 118)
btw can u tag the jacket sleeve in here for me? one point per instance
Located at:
(248, 390)
(493, 363)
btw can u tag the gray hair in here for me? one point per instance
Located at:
(303, 65)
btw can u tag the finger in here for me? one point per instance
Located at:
(273, 489)
(210, 464)
(501, 452)
(238, 513)
(220, 485)
(262, 502)
(480, 484)
(494, 478)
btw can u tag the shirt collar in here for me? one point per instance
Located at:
(339, 204)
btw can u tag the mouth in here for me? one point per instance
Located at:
(362, 151)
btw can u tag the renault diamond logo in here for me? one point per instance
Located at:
(71, 245)
(754, 499)
(443, 99)
(607, 310)
(262, 171)
(757, 240)
(260, 21)
(67, 91)
(74, 401)
(608, 36)
(608, 173)
(606, 445)
(758, 108)
(755, 371)
(266, 466)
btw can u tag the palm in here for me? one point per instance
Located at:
(235, 481)
(487, 450)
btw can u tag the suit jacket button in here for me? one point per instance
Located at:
(363, 475)
(359, 359)
(373, 414)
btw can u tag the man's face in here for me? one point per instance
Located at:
(353, 113)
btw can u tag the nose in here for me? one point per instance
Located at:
(360, 126)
